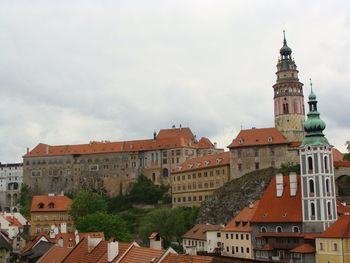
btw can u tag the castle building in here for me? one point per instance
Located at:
(110, 167)
(196, 179)
(288, 97)
(11, 178)
(317, 172)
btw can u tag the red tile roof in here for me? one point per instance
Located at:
(342, 208)
(339, 229)
(266, 247)
(286, 208)
(204, 162)
(13, 221)
(173, 258)
(337, 155)
(199, 231)
(262, 136)
(280, 234)
(241, 222)
(141, 254)
(60, 203)
(55, 254)
(304, 249)
(166, 139)
(341, 164)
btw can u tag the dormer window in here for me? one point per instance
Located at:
(198, 164)
(51, 205)
(269, 139)
(41, 205)
(240, 140)
(218, 161)
(206, 163)
(190, 165)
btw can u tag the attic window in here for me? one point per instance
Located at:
(240, 140)
(206, 163)
(237, 223)
(269, 139)
(190, 165)
(218, 161)
(41, 205)
(51, 205)
(198, 164)
(244, 223)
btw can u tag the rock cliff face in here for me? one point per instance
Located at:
(231, 198)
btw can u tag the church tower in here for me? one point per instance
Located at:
(317, 174)
(288, 97)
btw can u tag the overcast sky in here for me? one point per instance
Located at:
(76, 71)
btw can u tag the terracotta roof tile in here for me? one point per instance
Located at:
(339, 229)
(342, 208)
(337, 155)
(141, 254)
(262, 136)
(241, 222)
(13, 221)
(60, 203)
(173, 258)
(199, 231)
(204, 143)
(286, 208)
(203, 162)
(341, 164)
(266, 247)
(55, 254)
(304, 249)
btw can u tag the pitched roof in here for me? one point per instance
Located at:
(199, 231)
(241, 222)
(342, 208)
(341, 164)
(138, 254)
(304, 249)
(286, 208)
(337, 155)
(204, 143)
(173, 258)
(13, 221)
(261, 136)
(339, 229)
(55, 254)
(166, 139)
(60, 203)
(204, 162)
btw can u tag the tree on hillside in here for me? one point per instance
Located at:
(287, 168)
(145, 191)
(110, 225)
(86, 203)
(25, 200)
(347, 155)
(170, 223)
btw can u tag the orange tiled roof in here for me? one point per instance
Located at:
(341, 164)
(60, 203)
(304, 249)
(261, 136)
(339, 229)
(280, 234)
(55, 254)
(173, 258)
(138, 254)
(241, 222)
(342, 208)
(337, 155)
(166, 139)
(204, 162)
(266, 247)
(199, 231)
(13, 221)
(286, 208)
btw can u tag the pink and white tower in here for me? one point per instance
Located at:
(288, 97)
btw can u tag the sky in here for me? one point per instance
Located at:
(76, 71)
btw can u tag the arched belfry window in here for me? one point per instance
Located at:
(285, 108)
(329, 210)
(312, 210)
(311, 187)
(326, 163)
(327, 186)
(310, 164)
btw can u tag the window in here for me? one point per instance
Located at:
(279, 229)
(256, 166)
(326, 164)
(226, 236)
(311, 187)
(242, 236)
(310, 164)
(247, 250)
(237, 236)
(231, 236)
(327, 187)
(242, 249)
(312, 208)
(233, 249)
(51, 205)
(239, 167)
(295, 229)
(41, 205)
(321, 246)
(329, 210)
(218, 234)
(247, 236)
(263, 229)
(335, 247)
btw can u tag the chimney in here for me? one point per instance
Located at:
(63, 228)
(77, 238)
(293, 184)
(60, 242)
(155, 241)
(27, 149)
(154, 135)
(215, 145)
(279, 185)
(112, 250)
(26, 229)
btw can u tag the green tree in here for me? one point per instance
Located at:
(110, 225)
(86, 203)
(170, 223)
(25, 200)
(144, 191)
(287, 168)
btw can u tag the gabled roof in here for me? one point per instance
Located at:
(199, 231)
(286, 208)
(339, 229)
(304, 249)
(258, 137)
(204, 162)
(337, 155)
(55, 254)
(241, 222)
(138, 254)
(204, 143)
(40, 203)
(166, 139)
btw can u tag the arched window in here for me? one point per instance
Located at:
(263, 229)
(313, 210)
(311, 186)
(51, 205)
(310, 164)
(326, 164)
(41, 205)
(327, 186)
(279, 229)
(165, 172)
(329, 210)
(295, 229)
